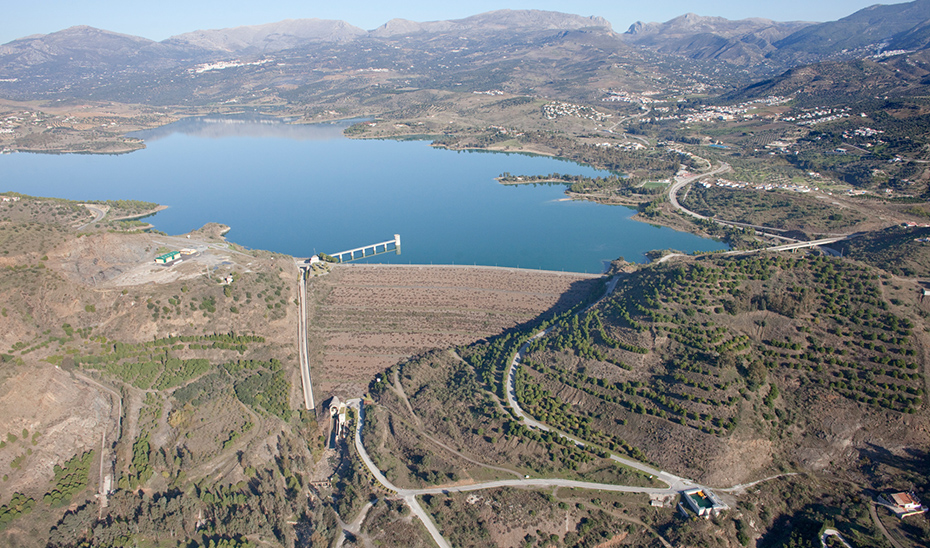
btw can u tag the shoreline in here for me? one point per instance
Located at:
(536, 182)
(603, 200)
(674, 224)
(141, 215)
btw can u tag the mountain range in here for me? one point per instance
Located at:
(523, 48)
(83, 43)
(869, 31)
(744, 42)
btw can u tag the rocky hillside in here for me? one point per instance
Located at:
(764, 46)
(267, 38)
(500, 20)
(284, 60)
(743, 42)
(868, 31)
(843, 82)
(85, 49)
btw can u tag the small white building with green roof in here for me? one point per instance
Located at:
(168, 257)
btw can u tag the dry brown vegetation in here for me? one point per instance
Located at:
(434, 424)
(389, 523)
(517, 517)
(87, 325)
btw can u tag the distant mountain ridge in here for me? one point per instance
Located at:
(102, 46)
(495, 21)
(520, 51)
(85, 46)
(763, 45)
(483, 52)
(869, 30)
(745, 41)
(763, 42)
(277, 36)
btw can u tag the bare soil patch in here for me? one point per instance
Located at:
(63, 417)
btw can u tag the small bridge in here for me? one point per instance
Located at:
(797, 245)
(369, 250)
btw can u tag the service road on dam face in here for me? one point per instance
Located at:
(302, 351)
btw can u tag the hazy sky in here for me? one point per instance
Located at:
(164, 18)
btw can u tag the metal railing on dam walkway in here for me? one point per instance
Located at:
(350, 254)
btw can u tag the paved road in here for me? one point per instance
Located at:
(670, 256)
(675, 483)
(542, 482)
(832, 533)
(790, 247)
(627, 135)
(99, 214)
(881, 527)
(783, 247)
(801, 245)
(410, 495)
(682, 181)
(302, 341)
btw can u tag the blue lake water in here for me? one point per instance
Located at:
(303, 189)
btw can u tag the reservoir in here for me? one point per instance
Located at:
(305, 189)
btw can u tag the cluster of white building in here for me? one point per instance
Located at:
(622, 146)
(14, 121)
(863, 132)
(489, 92)
(222, 65)
(11, 122)
(557, 109)
(505, 131)
(642, 101)
(890, 53)
(742, 185)
(818, 116)
(626, 97)
(734, 112)
(645, 98)
(726, 113)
